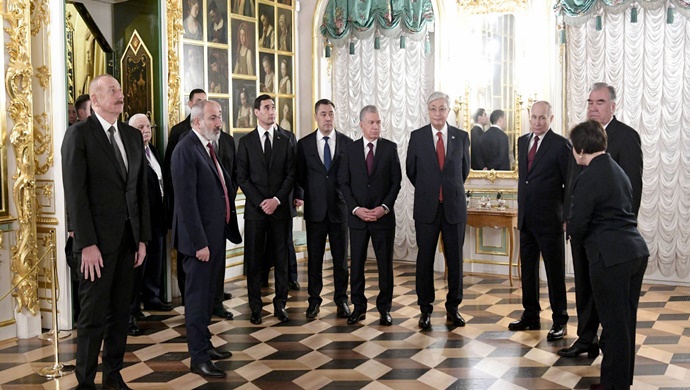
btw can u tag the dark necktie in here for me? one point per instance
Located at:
(326, 154)
(222, 182)
(370, 158)
(532, 152)
(441, 156)
(116, 150)
(267, 148)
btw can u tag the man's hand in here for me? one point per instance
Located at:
(298, 202)
(140, 255)
(269, 206)
(378, 212)
(365, 214)
(203, 254)
(91, 262)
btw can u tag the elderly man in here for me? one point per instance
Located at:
(438, 163)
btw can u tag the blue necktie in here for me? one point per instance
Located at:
(326, 154)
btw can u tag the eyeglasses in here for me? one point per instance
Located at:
(440, 110)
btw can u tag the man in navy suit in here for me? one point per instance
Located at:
(266, 174)
(543, 158)
(369, 179)
(438, 163)
(319, 156)
(204, 217)
(495, 148)
(104, 171)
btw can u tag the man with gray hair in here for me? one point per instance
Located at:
(438, 163)
(625, 147)
(369, 179)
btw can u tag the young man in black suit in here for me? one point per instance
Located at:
(625, 147)
(495, 146)
(104, 171)
(203, 218)
(543, 158)
(319, 156)
(438, 163)
(266, 174)
(369, 179)
(480, 120)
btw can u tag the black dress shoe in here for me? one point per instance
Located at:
(255, 318)
(576, 350)
(282, 315)
(217, 354)
(525, 324)
(425, 321)
(293, 285)
(455, 318)
(223, 313)
(557, 332)
(356, 316)
(386, 319)
(343, 310)
(207, 369)
(139, 315)
(313, 310)
(227, 296)
(133, 329)
(118, 383)
(158, 306)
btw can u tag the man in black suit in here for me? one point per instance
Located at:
(149, 277)
(266, 174)
(104, 171)
(543, 158)
(319, 155)
(625, 147)
(481, 119)
(369, 179)
(203, 218)
(495, 148)
(438, 163)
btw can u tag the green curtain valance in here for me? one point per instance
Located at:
(576, 10)
(343, 17)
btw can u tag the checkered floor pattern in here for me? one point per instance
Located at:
(326, 353)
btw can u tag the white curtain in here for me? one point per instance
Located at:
(398, 81)
(648, 63)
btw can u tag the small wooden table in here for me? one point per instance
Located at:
(497, 219)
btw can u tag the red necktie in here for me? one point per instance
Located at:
(441, 155)
(222, 182)
(370, 158)
(532, 152)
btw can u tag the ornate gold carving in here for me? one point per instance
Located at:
(43, 142)
(69, 58)
(47, 190)
(47, 221)
(20, 108)
(175, 30)
(492, 6)
(40, 15)
(43, 75)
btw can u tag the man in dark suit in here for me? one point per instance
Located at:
(149, 277)
(480, 120)
(104, 171)
(543, 158)
(438, 163)
(369, 179)
(625, 148)
(495, 146)
(266, 174)
(203, 218)
(319, 155)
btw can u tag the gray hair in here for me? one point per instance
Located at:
(612, 90)
(367, 109)
(549, 109)
(198, 109)
(135, 118)
(438, 95)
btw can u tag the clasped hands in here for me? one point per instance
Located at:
(370, 215)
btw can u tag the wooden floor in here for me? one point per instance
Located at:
(326, 353)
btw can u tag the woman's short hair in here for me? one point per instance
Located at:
(588, 137)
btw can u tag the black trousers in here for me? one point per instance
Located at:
(219, 282)
(617, 288)
(587, 314)
(316, 247)
(453, 239)
(263, 235)
(268, 261)
(382, 240)
(148, 277)
(104, 315)
(552, 249)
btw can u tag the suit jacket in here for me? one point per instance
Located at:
(199, 216)
(156, 206)
(297, 190)
(173, 138)
(602, 215)
(427, 177)
(99, 200)
(322, 197)
(541, 190)
(495, 149)
(476, 139)
(260, 181)
(362, 190)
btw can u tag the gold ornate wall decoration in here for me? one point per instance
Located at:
(18, 78)
(492, 6)
(175, 31)
(45, 198)
(43, 143)
(136, 78)
(43, 75)
(40, 15)
(69, 57)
